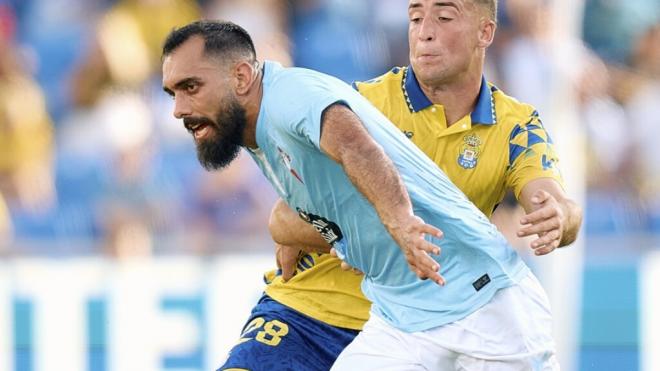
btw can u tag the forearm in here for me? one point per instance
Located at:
(572, 221)
(366, 165)
(550, 212)
(286, 228)
(376, 177)
(345, 140)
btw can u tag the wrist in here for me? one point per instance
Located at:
(571, 220)
(397, 221)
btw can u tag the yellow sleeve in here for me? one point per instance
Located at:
(531, 155)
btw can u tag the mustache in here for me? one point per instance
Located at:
(192, 122)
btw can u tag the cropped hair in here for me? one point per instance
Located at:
(220, 38)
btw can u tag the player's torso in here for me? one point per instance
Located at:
(318, 189)
(320, 289)
(311, 182)
(475, 157)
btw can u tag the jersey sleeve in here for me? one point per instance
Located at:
(297, 103)
(531, 155)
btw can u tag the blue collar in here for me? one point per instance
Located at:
(483, 113)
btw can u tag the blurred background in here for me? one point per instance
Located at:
(118, 252)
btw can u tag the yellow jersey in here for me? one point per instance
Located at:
(501, 144)
(321, 290)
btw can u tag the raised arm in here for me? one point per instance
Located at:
(346, 141)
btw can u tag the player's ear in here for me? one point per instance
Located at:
(486, 32)
(243, 77)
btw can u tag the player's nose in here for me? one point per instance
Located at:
(427, 30)
(182, 107)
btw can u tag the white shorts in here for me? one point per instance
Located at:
(512, 332)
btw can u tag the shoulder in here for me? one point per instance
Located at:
(303, 85)
(290, 77)
(291, 87)
(512, 113)
(385, 84)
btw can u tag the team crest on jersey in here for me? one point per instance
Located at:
(287, 162)
(470, 150)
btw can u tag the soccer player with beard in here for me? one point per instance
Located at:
(351, 174)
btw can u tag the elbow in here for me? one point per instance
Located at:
(568, 239)
(276, 223)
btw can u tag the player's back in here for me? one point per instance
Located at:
(475, 259)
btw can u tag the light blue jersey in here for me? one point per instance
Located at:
(476, 260)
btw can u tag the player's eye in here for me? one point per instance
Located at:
(415, 20)
(191, 88)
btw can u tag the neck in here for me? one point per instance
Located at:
(252, 105)
(457, 96)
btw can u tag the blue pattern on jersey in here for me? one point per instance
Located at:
(308, 345)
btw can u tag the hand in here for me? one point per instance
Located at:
(287, 260)
(345, 266)
(409, 235)
(546, 221)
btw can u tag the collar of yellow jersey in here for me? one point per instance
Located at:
(484, 111)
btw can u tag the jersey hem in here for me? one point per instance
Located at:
(299, 306)
(483, 299)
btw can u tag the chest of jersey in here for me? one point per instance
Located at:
(474, 157)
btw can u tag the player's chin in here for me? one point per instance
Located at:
(215, 157)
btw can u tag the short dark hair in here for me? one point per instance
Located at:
(219, 38)
(491, 6)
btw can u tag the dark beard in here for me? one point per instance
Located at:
(224, 142)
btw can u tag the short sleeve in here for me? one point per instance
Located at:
(531, 155)
(297, 102)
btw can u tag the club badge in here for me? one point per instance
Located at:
(286, 159)
(470, 151)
